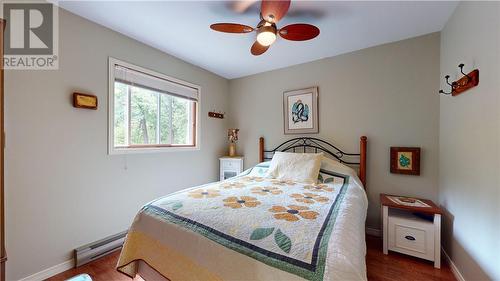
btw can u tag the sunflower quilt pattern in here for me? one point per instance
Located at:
(282, 223)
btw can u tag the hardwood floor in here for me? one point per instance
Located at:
(379, 266)
(102, 269)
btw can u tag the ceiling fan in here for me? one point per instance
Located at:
(271, 11)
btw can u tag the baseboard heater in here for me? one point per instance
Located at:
(98, 249)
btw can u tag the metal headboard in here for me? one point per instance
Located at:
(315, 145)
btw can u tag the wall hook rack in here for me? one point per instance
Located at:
(463, 84)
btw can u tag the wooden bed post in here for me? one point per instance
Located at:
(362, 161)
(261, 149)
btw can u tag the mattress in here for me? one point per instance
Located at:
(253, 228)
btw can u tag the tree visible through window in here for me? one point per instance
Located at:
(149, 117)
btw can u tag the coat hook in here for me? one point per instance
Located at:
(452, 85)
(447, 77)
(461, 66)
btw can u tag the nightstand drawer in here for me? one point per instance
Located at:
(409, 238)
(230, 165)
(410, 235)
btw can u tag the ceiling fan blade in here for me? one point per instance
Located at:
(274, 10)
(299, 32)
(231, 27)
(257, 49)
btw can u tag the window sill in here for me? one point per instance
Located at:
(139, 150)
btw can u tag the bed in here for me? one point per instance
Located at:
(252, 227)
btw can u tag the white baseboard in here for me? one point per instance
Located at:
(373, 232)
(454, 268)
(51, 271)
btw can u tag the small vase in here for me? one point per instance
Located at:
(232, 149)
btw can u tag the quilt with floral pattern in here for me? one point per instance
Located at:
(282, 223)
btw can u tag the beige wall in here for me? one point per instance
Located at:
(469, 142)
(388, 93)
(62, 189)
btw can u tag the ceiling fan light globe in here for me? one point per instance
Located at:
(266, 38)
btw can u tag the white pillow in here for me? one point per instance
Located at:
(335, 166)
(301, 167)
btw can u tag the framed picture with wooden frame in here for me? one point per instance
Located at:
(300, 111)
(84, 101)
(405, 160)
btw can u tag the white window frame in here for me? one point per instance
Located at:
(111, 112)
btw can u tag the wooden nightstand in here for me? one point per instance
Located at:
(230, 167)
(412, 230)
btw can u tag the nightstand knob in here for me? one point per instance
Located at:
(411, 238)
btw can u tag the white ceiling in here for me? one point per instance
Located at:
(181, 28)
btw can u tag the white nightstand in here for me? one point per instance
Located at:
(411, 230)
(230, 167)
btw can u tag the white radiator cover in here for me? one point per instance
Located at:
(98, 249)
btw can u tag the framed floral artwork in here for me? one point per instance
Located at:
(300, 110)
(405, 160)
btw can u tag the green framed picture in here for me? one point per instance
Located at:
(405, 160)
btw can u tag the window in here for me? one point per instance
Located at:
(150, 111)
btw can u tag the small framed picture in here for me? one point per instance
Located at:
(405, 160)
(300, 110)
(84, 101)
